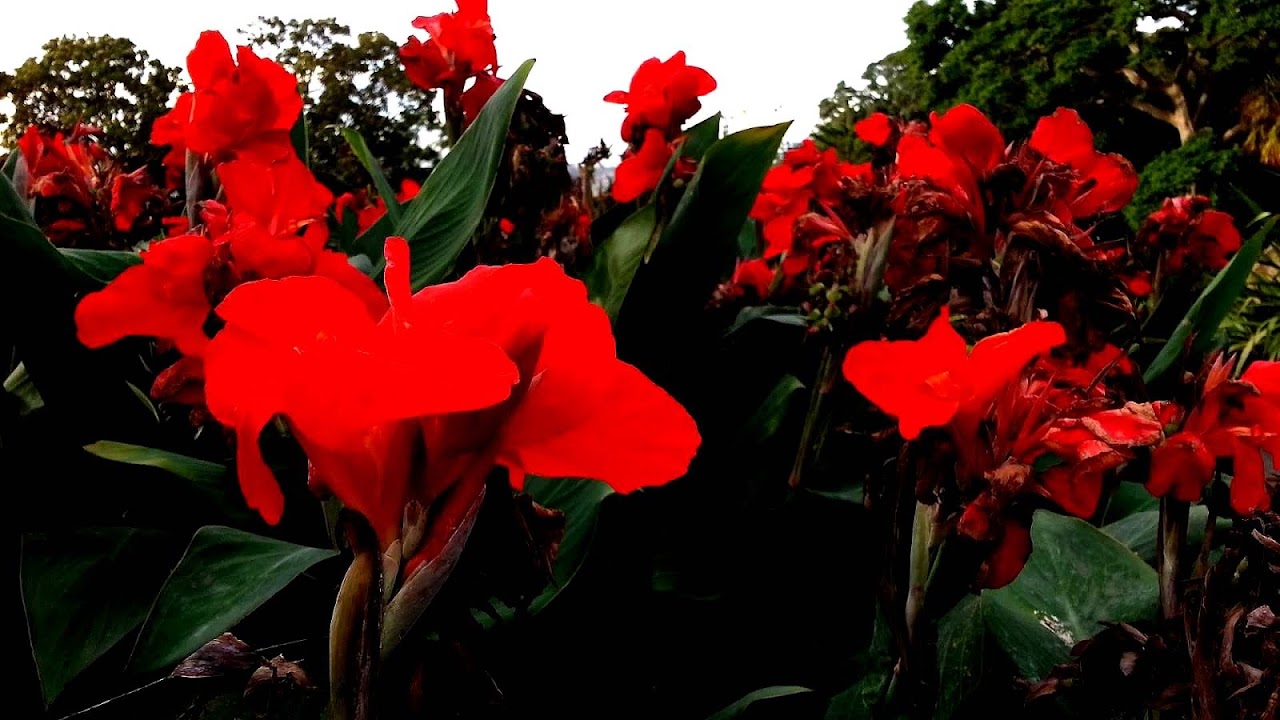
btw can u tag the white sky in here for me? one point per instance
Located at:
(774, 60)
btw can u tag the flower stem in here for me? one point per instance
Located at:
(1174, 517)
(354, 631)
(813, 434)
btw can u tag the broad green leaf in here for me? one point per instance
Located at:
(1198, 329)
(694, 144)
(12, 202)
(724, 188)
(861, 700)
(1077, 578)
(211, 481)
(224, 575)
(84, 591)
(614, 265)
(739, 708)
(440, 221)
(962, 635)
(370, 163)
(96, 268)
(580, 501)
(1139, 531)
(767, 418)
(1127, 499)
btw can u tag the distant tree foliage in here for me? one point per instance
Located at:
(104, 81)
(357, 82)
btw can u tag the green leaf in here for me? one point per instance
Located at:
(301, 139)
(440, 221)
(724, 188)
(580, 501)
(1127, 499)
(96, 268)
(739, 708)
(370, 163)
(775, 313)
(224, 575)
(614, 265)
(861, 700)
(1077, 578)
(212, 482)
(84, 591)
(1198, 328)
(19, 385)
(767, 418)
(962, 637)
(1138, 531)
(694, 144)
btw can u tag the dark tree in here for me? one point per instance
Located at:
(357, 82)
(103, 81)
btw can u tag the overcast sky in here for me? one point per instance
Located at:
(774, 59)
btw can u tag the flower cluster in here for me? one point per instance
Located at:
(369, 209)
(1190, 235)
(662, 96)
(459, 48)
(90, 200)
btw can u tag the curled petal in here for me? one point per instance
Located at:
(1181, 467)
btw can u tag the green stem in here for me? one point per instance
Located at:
(1174, 517)
(354, 631)
(813, 434)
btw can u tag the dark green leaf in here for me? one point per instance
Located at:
(19, 385)
(1198, 329)
(439, 222)
(1127, 499)
(693, 145)
(95, 268)
(370, 163)
(774, 313)
(224, 575)
(614, 265)
(861, 700)
(747, 239)
(300, 137)
(766, 420)
(212, 481)
(580, 501)
(84, 591)
(716, 204)
(1077, 578)
(739, 708)
(962, 637)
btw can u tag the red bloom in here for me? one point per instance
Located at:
(181, 382)
(506, 227)
(1186, 229)
(171, 129)
(662, 96)
(754, 274)
(961, 147)
(369, 211)
(1239, 420)
(130, 194)
(242, 108)
(460, 46)
(1103, 183)
(476, 96)
(875, 129)
(641, 170)
(925, 382)
(1008, 558)
(805, 176)
(164, 297)
(60, 166)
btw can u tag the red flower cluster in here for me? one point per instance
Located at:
(808, 180)
(1190, 234)
(1053, 430)
(369, 208)
(460, 47)
(662, 96)
(1235, 419)
(242, 108)
(85, 186)
(272, 225)
(508, 366)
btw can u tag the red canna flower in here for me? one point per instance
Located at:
(960, 148)
(755, 275)
(1103, 183)
(1009, 557)
(1236, 419)
(506, 227)
(875, 129)
(806, 176)
(641, 170)
(1190, 234)
(476, 96)
(662, 96)
(460, 46)
(181, 382)
(925, 382)
(60, 166)
(130, 195)
(164, 297)
(242, 108)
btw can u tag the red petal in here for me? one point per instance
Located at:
(875, 129)
(1265, 376)
(1064, 138)
(210, 61)
(640, 173)
(1182, 466)
(1134, 425)
(1108, 187)
(1248, 483)
(964, 131)
(1008, 558)
(1077, 493)
(909, 380)
(999, 359)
